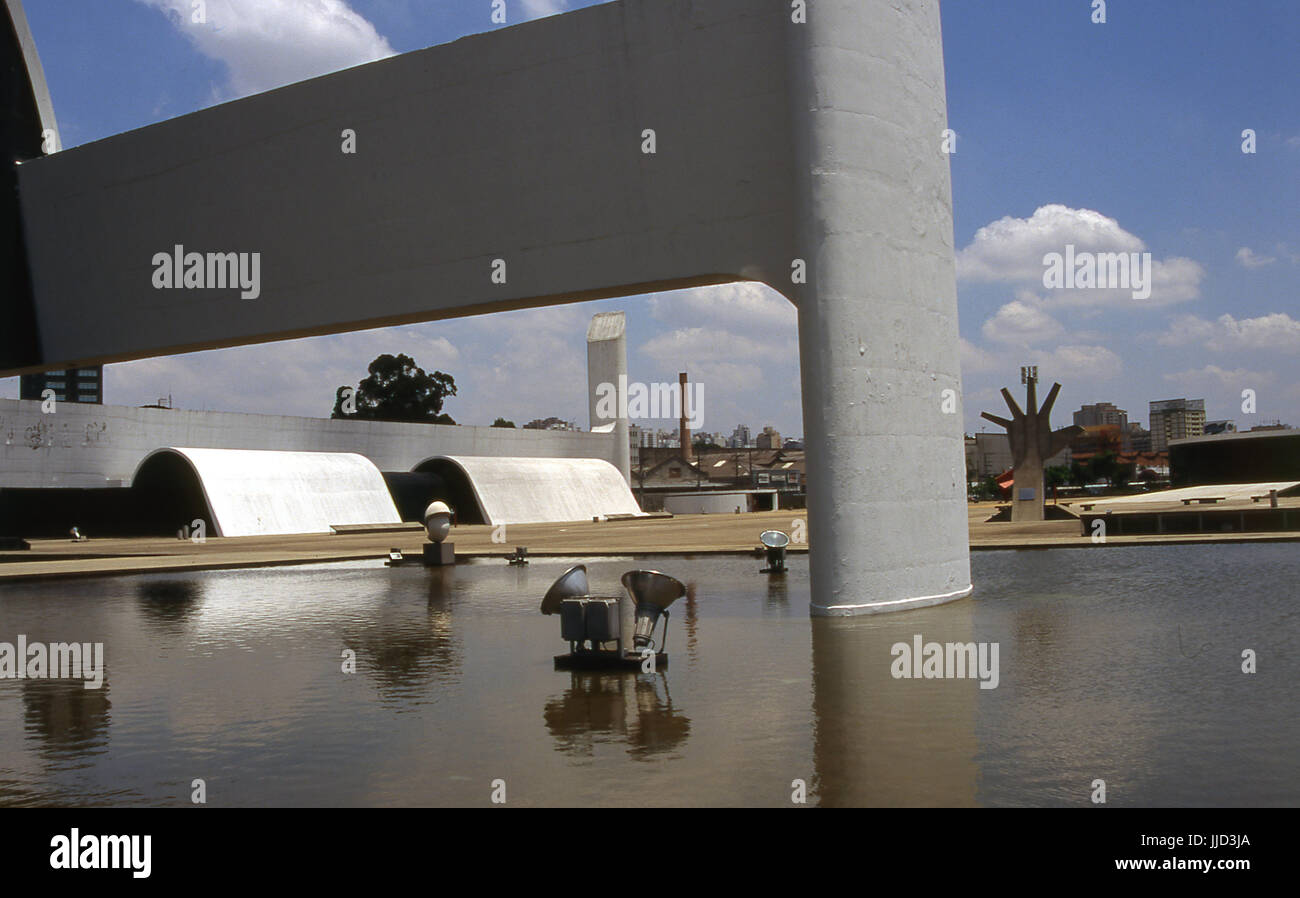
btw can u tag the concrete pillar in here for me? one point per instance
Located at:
(878, 312)
(606, 369)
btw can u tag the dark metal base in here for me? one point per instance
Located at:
(606, 661)
(439, 554)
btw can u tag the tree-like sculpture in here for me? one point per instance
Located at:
(1032, 442)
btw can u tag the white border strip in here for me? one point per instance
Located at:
(893, 605)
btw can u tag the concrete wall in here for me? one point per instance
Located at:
(713, 502)
(101, 445)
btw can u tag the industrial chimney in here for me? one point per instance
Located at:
(685, 432)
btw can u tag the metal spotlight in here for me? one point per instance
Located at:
(652, 593)
(774, 541)
(612, 632)
(571, 585)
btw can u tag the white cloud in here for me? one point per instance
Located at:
(977, 361)
(1011, 250)
(1076, 362)
(536, 9)
(269, 43)
(743, 306)
(1276, 331)
(1212, 376)
(1247, 258)
(1022, 322)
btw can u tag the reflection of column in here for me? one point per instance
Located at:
(878, 344)
(607, 365)
(879, 741)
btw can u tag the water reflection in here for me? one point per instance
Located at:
(65, 716)
(169, 605)
(692, 617)
(778, 593)
(404, 648)
(880, 741)
(623, 707)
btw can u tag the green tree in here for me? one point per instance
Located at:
(399, 390)
(502, 422)
(1104, 467)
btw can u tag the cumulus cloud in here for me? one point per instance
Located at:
(1276, 331)
(1011, 250)
(1022, 322)
(1212, 376)
(537, 9)
(975, 360)
(269, 43)
(740, 341)
(1076, 362)
(1247, 258)
(743, 306)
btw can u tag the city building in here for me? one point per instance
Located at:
(69, 385)
(1101, 414)
(768, 439)
(740, 438)
(1176, 419)
(1138, 437)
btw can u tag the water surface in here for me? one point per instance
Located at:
(1117, 663)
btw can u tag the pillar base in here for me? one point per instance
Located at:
(889, 605)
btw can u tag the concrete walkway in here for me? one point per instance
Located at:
(682, 535)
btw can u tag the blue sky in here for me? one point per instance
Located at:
(1123, 136)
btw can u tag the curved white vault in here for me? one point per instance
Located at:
(537, 490)
(253, 492)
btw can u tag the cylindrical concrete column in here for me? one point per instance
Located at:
(878, 312)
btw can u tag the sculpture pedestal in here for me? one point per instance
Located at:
(439, 554)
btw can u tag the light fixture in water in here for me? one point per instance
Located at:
(652, 593)
(774, 541)
(570, 585)
(612, 632)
